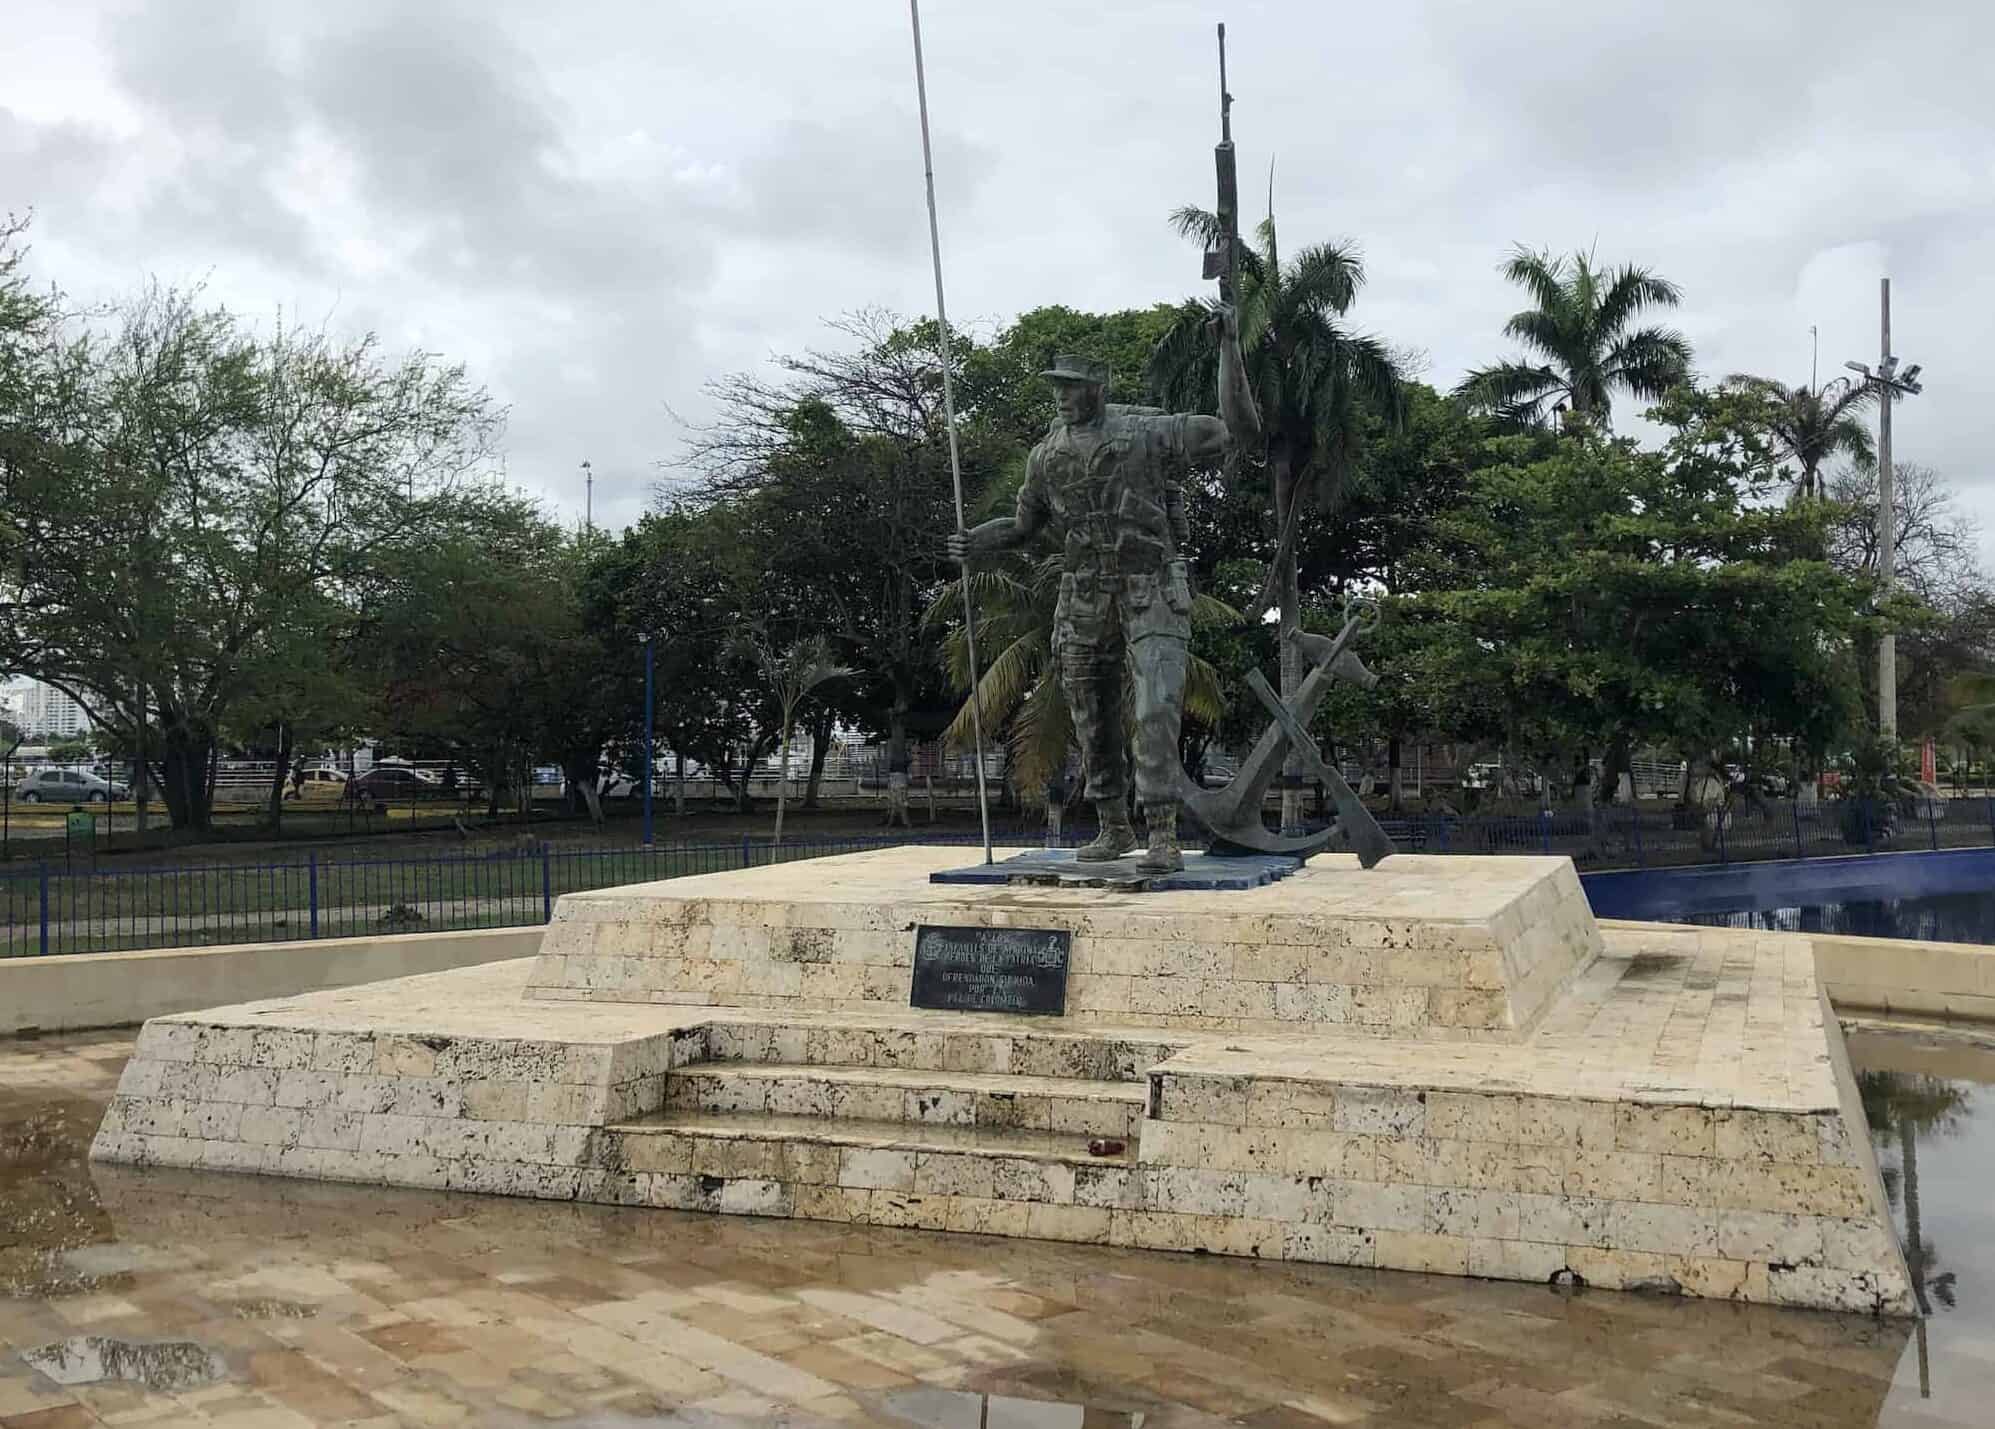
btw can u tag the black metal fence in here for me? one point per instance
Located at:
(46, 908)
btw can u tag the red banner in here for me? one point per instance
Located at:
(1929, 767)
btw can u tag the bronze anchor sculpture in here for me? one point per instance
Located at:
(1233, 814)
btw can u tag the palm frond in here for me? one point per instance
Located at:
(1541, 275)
(1630, 292)
(1004, 683)
(1536, 328)
(1511, 390)
(1649, 362)
(1325, 275)
(1198, 223)
(988, 585)
(1183, 368)
(1777, 392)
(1041, 735)
(1205, 692)
(1209, 611)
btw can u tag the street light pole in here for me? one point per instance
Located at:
(648, 688)
(1888, 385)
(1887, 522)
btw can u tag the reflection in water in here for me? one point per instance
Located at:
(1929, 917)
(92, 1359)
(51, 1205)
(1920, 1089)
(1902, 1107)
(952, 1409)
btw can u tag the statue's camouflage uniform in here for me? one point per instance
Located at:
(1105, 479)
(1110, 488)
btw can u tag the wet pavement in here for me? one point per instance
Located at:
(157, 1297)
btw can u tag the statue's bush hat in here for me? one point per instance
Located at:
(1071, 367)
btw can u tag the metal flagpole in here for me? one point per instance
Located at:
(949, 416)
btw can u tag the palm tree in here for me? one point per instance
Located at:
(1019, 688)
(1314, 380)
(1811, 424)
(1579, 329)
(792, 675)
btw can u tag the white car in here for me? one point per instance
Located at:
(67, 786)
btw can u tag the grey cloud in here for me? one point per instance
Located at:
(599, 206)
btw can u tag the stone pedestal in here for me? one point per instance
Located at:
(1445, 949)
(1438, 1064)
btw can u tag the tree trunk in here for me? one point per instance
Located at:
(820, 748)
(679, 782)
(1289, 598)
(1395, 790)
(782, 782)
(184, 775)
(495, 787)
(275, 815)
(1619, 761)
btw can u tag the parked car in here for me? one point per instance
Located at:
(67, 786)
(389, 782)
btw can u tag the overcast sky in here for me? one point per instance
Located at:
(598, 206)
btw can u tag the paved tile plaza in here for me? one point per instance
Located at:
(262, 1301)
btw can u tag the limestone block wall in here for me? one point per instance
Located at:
(1774, 1207)
(503, 1115)
(1482, 947)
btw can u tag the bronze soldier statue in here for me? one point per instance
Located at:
(1104, 480)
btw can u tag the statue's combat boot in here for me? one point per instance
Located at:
(1117, 835)
(1163, 855)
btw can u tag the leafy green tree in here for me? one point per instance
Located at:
(1597, 594)
(1002, 392)
(1580, 331)
(1316, 382)
(471, 637)
(1811, 425)
(840, 476)
(202, 498)
(689, 576)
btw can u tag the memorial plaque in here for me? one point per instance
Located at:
(991, 969)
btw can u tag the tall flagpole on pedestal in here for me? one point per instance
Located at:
(949, 416)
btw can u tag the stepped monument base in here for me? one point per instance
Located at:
(1437, 1064)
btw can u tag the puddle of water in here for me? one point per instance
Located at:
(51, 1203)
(1930, 1101)
(953, 1409)
(157, 1364)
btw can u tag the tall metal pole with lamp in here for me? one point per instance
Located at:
(1888, 384)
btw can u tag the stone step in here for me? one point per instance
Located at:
(986, 1101)
(950, 1042)
(988, 1179)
